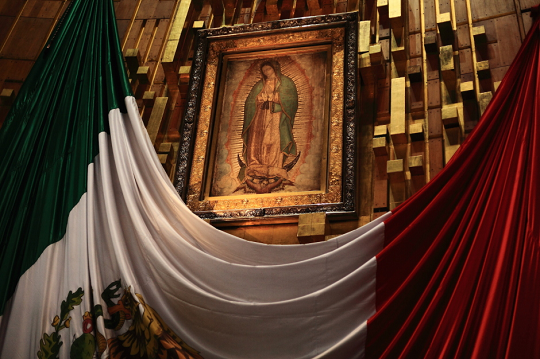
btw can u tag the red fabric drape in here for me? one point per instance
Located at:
(459, 275)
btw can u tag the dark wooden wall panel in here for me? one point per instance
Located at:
(163, 9)
(461, 11)
(41, 9)
(527, 4)
(482, 9)
(5, 25)
(31, 33)
(11, 7)
(124, 9)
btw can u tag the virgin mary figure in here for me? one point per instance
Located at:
(267, 136)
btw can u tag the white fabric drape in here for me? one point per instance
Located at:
(224, 296)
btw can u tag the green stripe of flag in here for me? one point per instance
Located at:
(51, 134)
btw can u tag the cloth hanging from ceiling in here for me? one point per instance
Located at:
(458, 275)
(101, 257)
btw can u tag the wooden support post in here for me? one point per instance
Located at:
(286, 9)
(397, 111)
(395, 167)
(484, 99)
(434, 93)
(396, 19)
(375, 54)
(416, 165)
(448, 71)
(450, 117)
(399, 55)
(482, 68)
(396, 176)
(272, 10)
(183, 80)
(170, 48)
(430, 43)
(7, 96)
(155, 123)
(416, 132)
(383, 103)
(166, 156)
(382, 7)
(452, 140)
(479, 35)
(133, 61)
(380, 184)
(376, 59)
(380, 146)
(206, 15)
(183, 74)
(380, 131)
(312, 227)
(364, 36)
(314, 7)
(467, 91)
(148, 98)
(415, 73)
(143, 75)
(446, 57)
(446, 31)
(198, 25)
(241, 17)
(366, 72)
(380, 140)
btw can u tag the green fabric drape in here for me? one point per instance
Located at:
(50, 135)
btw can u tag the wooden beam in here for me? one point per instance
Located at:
(143, 75)
(380, 146)
(444, 23)
(479, 34)
(131, 22)
(7, 96)
(416, 165)
(380, 131)
(166, 156)
(430, 43)
(416, 132)
(397, 111)
(170, 47)
(467, 91)
(312, 227)
(482, 68)
(399, 55)
(484, 98)
(133, 61)
(415, 73)
(155, 123)
(148, 98)
(364, 36)
(450, 117)
(366, 71)
(396, 16)
(452, 141)
(396, 176)
(375, 54)
(446, 58)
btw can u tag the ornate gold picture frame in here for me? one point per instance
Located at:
(270, 125)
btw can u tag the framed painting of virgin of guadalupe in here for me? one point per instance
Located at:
(270, 126)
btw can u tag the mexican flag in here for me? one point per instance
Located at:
(101, 258)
